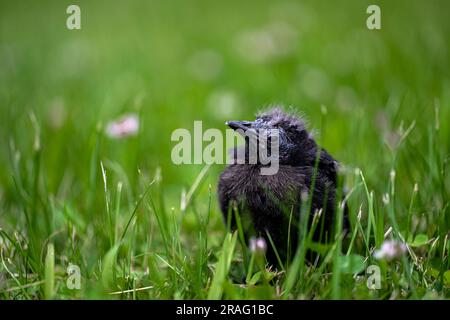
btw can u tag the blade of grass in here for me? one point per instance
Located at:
(222, 266)
(49, 286)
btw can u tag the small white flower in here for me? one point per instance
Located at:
(258, 245)
(126, 126)
(390, 249)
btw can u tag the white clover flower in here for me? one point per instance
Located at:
(390, 249)
(258, 245)
(126, 126)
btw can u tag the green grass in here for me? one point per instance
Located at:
(140, 227)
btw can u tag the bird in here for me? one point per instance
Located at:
(270, 206)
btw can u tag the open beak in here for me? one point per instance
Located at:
(243, 125)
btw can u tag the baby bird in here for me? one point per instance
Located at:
(271, 204)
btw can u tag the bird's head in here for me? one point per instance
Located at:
(294, 142)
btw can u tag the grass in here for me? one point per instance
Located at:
(140, 227)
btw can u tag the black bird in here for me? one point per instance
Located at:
(272, 203)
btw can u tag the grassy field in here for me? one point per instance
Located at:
(140, 227)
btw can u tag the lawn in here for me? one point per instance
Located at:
(88, 215)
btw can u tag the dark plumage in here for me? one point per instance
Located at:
(267, 202)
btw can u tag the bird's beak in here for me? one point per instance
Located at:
(243, 125)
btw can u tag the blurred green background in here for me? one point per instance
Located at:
(173, 62)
